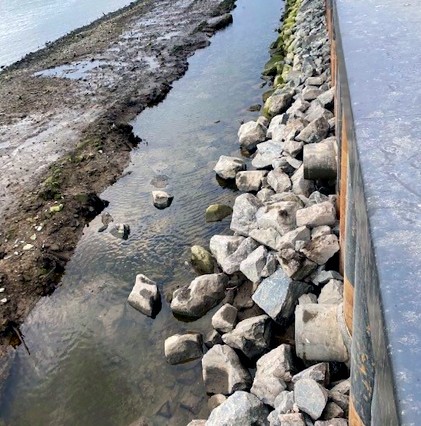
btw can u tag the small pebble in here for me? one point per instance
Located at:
(3, 301)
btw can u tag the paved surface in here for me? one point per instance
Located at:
(381, 42)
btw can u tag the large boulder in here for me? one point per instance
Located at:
(250, 134)
(222, 371)
(244, 215)
(273, 370)
(241, 408)
(251, 336)
(277, 295)
(145, 296)
(183, 347)
(200, 296)
(228, 167)
(250, 181)
(252, 267)
(317, 215)
(310, 397)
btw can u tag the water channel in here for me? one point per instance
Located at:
(94, 359)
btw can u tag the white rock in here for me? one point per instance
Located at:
(321, 249)
(252, 266)
(290, 238)
(161, 199)
(278, 215)
(284, 402)
(250, 180)
(317, 215)
(225, 318)
(231, 264)
(332, 293)
(244, 214)
(318, 372)
(279, 180)
(269, 237)
(183, 347)
(228, 167)
(222, 246)
(305, 299)
(145, 296)
(310, 397)
(301, 186)
(250, 134)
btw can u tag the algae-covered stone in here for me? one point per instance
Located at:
(217, 212)
(56, 209)
(202, 260)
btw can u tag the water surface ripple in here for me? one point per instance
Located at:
(94, 359)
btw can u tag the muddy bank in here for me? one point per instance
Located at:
(63, 140)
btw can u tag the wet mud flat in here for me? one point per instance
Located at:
(64, 135)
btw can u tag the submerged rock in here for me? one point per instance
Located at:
(161, 199)
(217, 212)
(200, 296)
(241, 408)
(202, 260)
(145, 296)
(120, 230)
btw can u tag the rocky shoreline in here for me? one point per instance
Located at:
(278, 353)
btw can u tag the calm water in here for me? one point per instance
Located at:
(94, 359)
(26, 25)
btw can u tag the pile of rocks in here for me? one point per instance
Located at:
(278, 271)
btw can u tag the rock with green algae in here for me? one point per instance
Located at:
(202, 260)
(217, 212)
(57, 208)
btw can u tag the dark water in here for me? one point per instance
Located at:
(94, 359)
(26, 25)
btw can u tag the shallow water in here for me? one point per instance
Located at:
(94, 359)
(26, 25)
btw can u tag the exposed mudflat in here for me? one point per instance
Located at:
(64, 137)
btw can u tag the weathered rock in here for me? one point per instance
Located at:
(292, 147)
(300, 185)
(217, 212)
(213, 338)
(241, 408)
(284, 402)
(278, 295)
(292, 419)
(244, 215)
(327, 98)
(332, 410)
(120, 230)
(314, 132)
(279, 180)
(318, 372)
(145, 296)
(200, 296)
(278, 103)
(295, 264)
(317, 215)
(310, 397)
(305, 299)
(225, 318)
(231, 264)
(262, 119)
(321, 249)
(250, 180)
(273, 370)
(320, 161)
(223, 372)
(202, 260)
(252, 266)
(277, 124)
(222, 246)
(343, 387)
(219, 22)
(332, 422)
(271, 265)
(269, 237)
(161, 199)
(322, 277)
(242, 299)
(316, 111)
(340, 399)
(183, 347)
(280, 216)
(250, 134)
(228, 167)
(216, 400)
(251, 336)
(310, 93)
(319, 231)
(332, 293)
(290, 238)
(318, 335)
(264, 195)
(298, 107)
